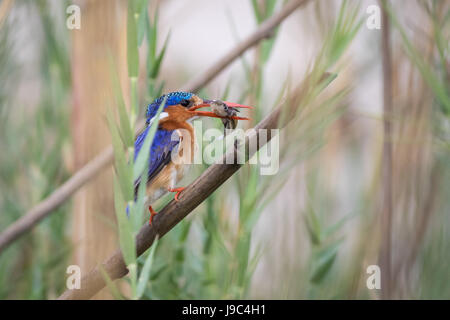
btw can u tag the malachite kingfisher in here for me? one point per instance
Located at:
(177, 113)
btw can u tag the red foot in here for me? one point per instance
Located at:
(177, 190)
(152, 214)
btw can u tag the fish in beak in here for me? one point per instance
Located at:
(225, 110)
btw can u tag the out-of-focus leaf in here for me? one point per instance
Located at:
(145, 272)
(266, 48)
(325, 260)
(226, 92)
(126, 237)
(141, 28)
(157, 91)
(263, 11)
(124, 172)
(338, 225)
(139, 6)
(152, 37)
(113, 289)
(132, 45)
(438, 87)
(125, 127)
(313, 227)
(256, 11)
(157, 63)
(185, 231)
(158, 271)
(140, 13)
(138, 207)
(270, 7)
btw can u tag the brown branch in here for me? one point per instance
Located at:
(90, 170)
(57, 198)
(386, 218)
(192, 196)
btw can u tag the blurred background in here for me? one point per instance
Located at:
(308, 232)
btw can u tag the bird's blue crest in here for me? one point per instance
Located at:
(173, 98)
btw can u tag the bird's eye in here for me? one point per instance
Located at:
(185, 102)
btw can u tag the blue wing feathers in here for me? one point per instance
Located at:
(162, 145)
(160, 150)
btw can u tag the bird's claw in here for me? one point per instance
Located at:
(178, 191)
(152, 214)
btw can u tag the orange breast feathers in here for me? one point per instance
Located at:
(176, 118)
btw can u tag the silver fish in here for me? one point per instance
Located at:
(222, 109)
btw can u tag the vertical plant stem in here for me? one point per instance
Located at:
(93, 238)
(387, 182)
(134, 99)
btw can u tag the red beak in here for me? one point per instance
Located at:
(230, 104)
(237, 105)
(213, 115)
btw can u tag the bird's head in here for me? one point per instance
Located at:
(182, 107)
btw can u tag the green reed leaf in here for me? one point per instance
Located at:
(146, 269)
(132, 44)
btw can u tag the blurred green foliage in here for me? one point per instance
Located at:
(32, 164)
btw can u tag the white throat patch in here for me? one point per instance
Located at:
(161, 116)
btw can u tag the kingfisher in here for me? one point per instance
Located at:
(174, 135)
